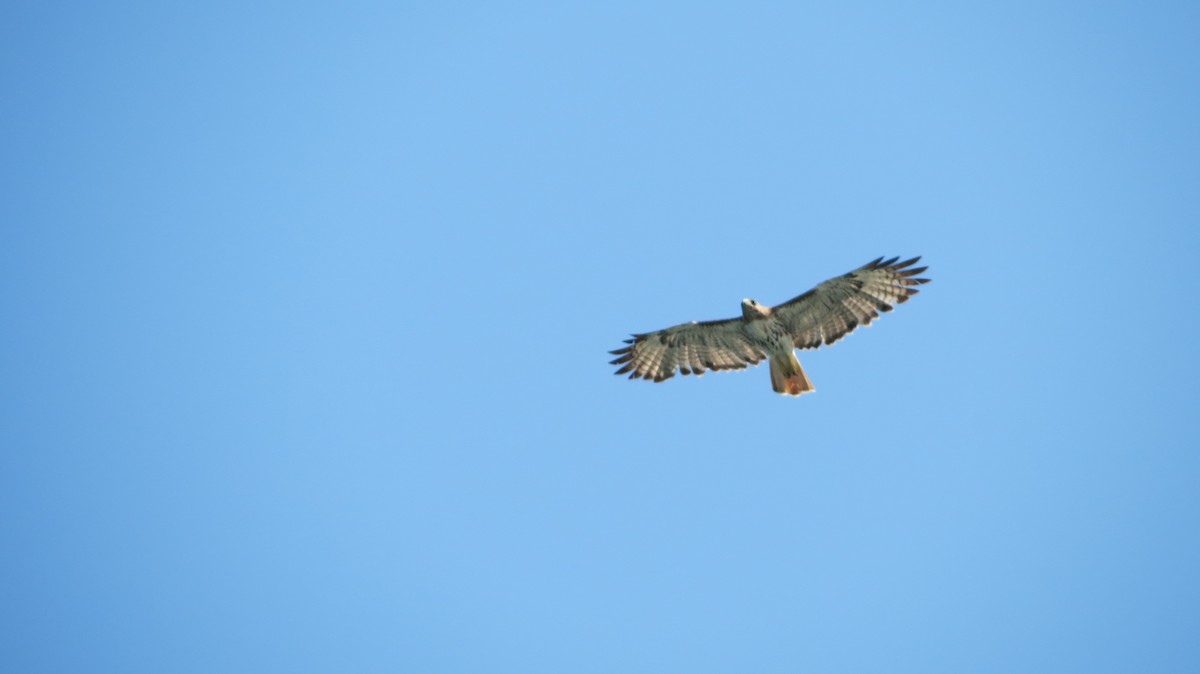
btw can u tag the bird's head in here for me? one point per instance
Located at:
(752, 309)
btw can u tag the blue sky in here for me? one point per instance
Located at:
(307, 309)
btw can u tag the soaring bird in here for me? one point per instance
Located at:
(822, 315)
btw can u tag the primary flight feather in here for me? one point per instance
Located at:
(822, 315)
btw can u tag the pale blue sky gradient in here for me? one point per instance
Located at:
(306, 310)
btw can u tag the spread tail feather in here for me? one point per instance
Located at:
(787, 377)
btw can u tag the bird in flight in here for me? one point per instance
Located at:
(822, 315)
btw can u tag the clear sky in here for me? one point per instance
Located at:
(306, 311)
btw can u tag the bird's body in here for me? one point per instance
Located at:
(822, 315)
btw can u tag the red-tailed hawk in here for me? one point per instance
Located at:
(822, 315)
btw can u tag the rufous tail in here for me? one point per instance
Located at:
(787, 377)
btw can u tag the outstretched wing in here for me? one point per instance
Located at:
(836, 307)
(690, 347)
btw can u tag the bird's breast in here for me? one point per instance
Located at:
(766, 331)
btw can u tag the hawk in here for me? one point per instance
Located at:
(822, 315)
